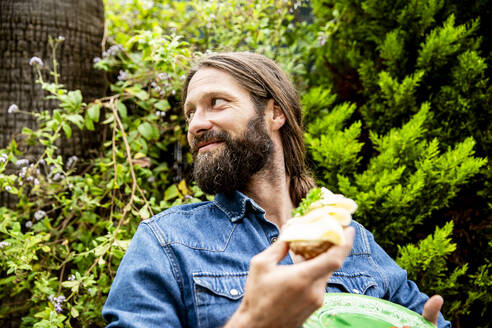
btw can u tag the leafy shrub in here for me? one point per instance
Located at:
(75, 217)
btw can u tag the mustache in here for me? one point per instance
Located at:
(206, 137)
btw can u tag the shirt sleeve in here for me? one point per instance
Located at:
(400, 290)
(145, 291)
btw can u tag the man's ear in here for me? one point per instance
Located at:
(274, 115)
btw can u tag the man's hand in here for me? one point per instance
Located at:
(432, 308)
(286, 295)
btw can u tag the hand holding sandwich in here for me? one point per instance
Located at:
(286, 295)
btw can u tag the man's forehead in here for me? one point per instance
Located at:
(210, 80)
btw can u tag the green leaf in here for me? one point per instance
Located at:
(67, 129)
(74, 312)
(171, 193)
(138, 92)
(75, 98)
(94, 112)
(70, 283)
(76, 119)
(146, 130)
(162, 105)
(57, 116)
(122, 109)
(144, 213)
(89, 124)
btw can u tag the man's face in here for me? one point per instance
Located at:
(228, 139)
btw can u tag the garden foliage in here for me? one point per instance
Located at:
(397, 103)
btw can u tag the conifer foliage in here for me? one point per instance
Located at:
(399, 119)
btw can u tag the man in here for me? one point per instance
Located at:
(218, 263)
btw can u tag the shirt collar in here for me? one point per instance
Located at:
(235, 204)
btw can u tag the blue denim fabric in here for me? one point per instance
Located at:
(187, 266)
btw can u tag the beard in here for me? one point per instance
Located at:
(231, 168)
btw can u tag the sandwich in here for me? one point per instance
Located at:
(318, 222)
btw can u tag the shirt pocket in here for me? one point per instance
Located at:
(354, 283)
(217, 296)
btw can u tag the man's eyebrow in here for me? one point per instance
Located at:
(189, 105)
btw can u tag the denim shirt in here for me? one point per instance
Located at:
(187, 267)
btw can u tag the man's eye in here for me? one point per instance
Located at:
(218, 101)
(189, 115)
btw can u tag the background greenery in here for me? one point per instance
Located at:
(397, 101)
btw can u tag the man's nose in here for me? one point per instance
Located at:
(199, 123)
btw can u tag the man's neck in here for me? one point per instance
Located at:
(269, 188)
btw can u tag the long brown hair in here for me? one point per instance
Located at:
(264, 79)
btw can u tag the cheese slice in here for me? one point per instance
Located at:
(324, 221)
(323, 229)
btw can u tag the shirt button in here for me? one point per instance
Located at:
(355, 291)
(274, 239)
(234, 292)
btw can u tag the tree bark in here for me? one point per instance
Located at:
(25, 26)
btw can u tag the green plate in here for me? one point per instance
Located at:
(342, 310)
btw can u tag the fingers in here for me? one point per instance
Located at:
(432, 308)
(331, 260)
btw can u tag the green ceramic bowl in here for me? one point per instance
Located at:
(342, 310)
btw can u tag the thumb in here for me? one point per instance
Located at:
(432, 308)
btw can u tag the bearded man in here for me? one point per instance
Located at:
(219, 263)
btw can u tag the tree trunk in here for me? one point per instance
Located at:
(25, 26)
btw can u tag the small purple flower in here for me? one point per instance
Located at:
(3, 158)
(61, 38)
(8, 188)
(71, 278)
(163, 76)
(13, 109)
(36, 61)
(28, 224)
(113, 50)
(58, 177)
(57, 301)
(4, 244)
(22, 162)
(36, 182)
(39, 215)
(96, 60)
(123, 76)
(23, 171)
(160, 113)
(71, 161)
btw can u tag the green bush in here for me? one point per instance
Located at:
(414, 84)
(397, 101)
